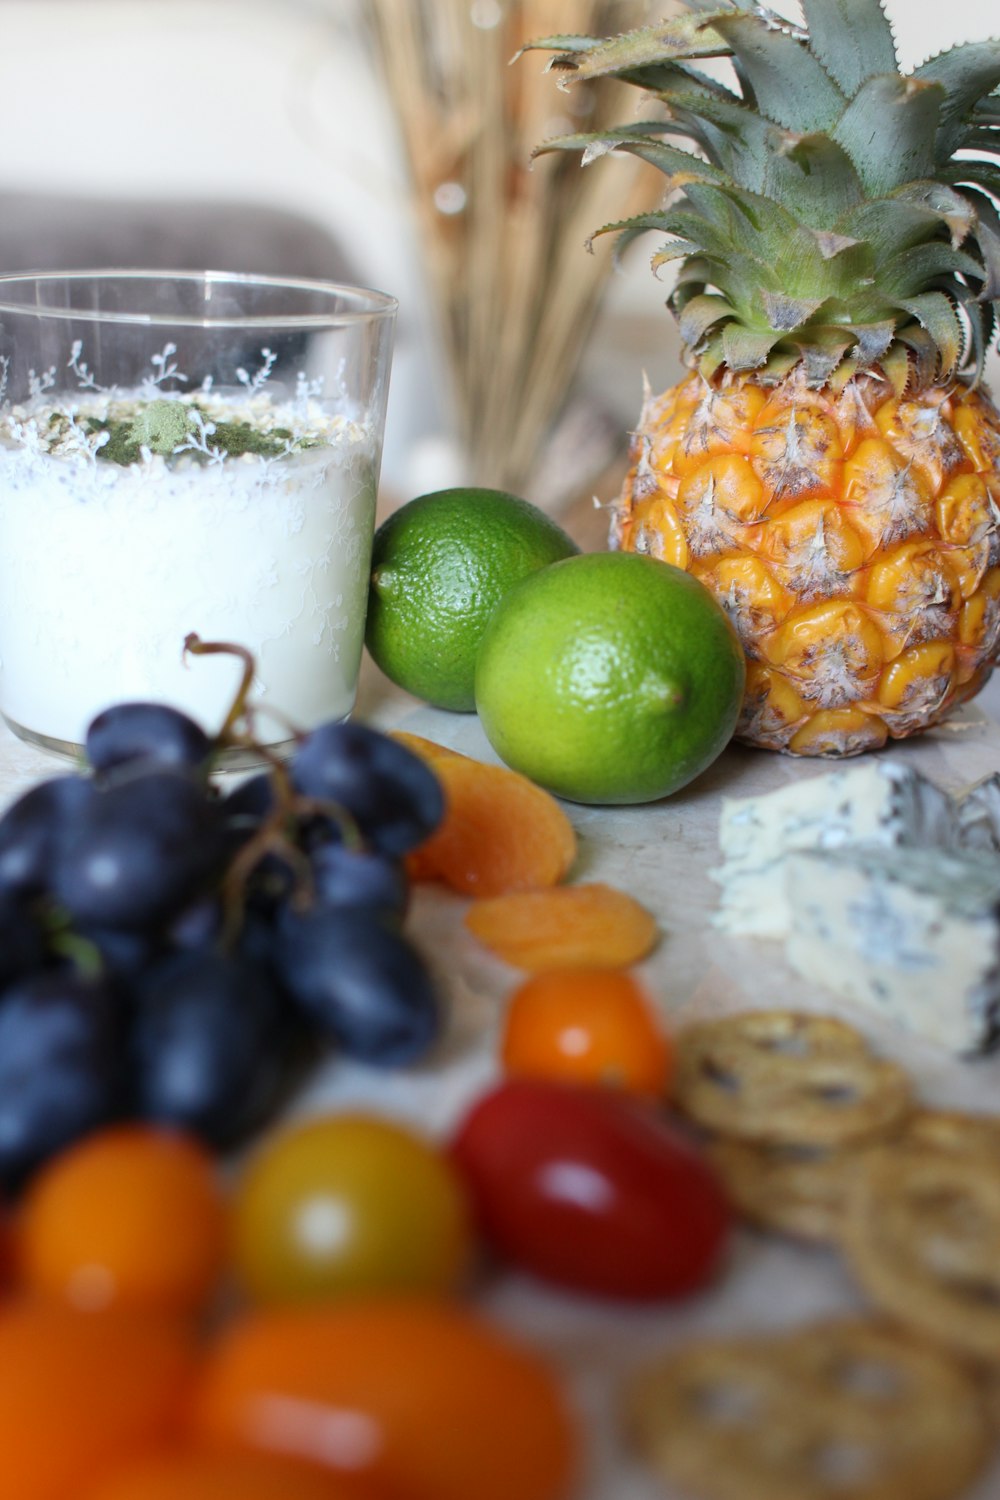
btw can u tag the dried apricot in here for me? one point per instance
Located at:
(586, 926)
(428, 750)
(590, 1026)
(500, 833)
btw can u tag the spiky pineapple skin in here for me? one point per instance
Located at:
(852, 535)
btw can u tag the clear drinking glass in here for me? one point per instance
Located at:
(185, 453)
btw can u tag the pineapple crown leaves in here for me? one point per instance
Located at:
(852, 39)
(827, 210)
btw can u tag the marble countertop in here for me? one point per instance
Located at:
(663, 852)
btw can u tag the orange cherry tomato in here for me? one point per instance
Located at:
(422, 1398)
(203, 1474)
(587, 1026)
(347, 1204)
(6, 1257)
(80, 1392)
(131, 1216)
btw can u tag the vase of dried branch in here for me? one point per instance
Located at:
(502, 235)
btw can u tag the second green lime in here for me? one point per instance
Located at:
(440, 566)
(609, 678)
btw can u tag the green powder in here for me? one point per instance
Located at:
(165, 426)
(235, 438)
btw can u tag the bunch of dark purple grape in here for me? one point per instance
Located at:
(175, 954)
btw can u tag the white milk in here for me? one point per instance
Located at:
(104, 570)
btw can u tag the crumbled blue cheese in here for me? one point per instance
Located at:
(912, 933)
(881, 802)
(978, 814)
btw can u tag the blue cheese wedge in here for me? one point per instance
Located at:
(881, 802)
(912, 933)
(977, 812)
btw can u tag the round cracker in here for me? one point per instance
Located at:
(953, 1130)
(798, 1191)
(803, 1191)
(846, 1410)
(787, 1078)
(922, 1236)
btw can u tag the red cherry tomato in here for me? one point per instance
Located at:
(592, 1190)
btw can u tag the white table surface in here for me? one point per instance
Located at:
(661, 853)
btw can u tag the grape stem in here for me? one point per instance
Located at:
(278, 832)
(277, 835)
(270, 838)
(195, 646)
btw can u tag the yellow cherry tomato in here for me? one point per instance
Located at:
(348, 1204)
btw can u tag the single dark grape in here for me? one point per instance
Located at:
(62, 1050)
(360, 982)
(139, 851)
(344, 877)
(209, 1046)
(150, 732)
(393, 797)
(33, 829)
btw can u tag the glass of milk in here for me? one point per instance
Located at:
(185, 453)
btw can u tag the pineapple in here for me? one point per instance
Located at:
(830, 468)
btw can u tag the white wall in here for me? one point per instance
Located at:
(246, 100)
(268, 100)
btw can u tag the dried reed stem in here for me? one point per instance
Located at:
(515, 290)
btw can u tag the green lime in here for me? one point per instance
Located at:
(609, 677)
(440, 566)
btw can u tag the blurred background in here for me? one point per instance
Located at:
(385, 142)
